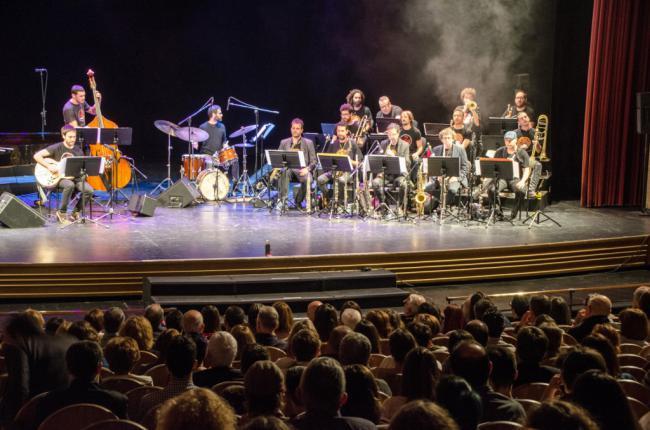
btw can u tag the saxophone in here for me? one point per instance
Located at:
(420, 195)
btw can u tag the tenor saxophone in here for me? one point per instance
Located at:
(420, 195)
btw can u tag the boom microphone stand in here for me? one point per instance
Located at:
(43, 97)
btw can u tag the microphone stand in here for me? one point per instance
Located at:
(43, 97)
(188, 120)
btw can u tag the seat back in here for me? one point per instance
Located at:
(122, 384)
(638, 409)
(218, 388)
(134, 396)
(76, 417)
(630, 348)
(635, 390)
(632, 360)
(159, 374)
(636, 372)
(375, 360)
(532, 391)
(26, 416)
(275, 353)
(529, 404)
(150, 419)
(115, 425)
(499, 425)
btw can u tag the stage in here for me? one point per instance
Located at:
(209, 239)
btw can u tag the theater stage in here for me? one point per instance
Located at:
(85, 261)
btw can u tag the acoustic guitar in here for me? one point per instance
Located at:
(47, 179)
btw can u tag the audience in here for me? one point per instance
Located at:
(253, 311)
(82, 330)
(266, 423)
(457, 397)
(285, 319)
(422, 415)
(244, 336)
(369, 330)
(355, 349)
(325, 319)
(113, 319)
(138, 328)
(478, 330)
(453, 318)
(363, 394)
(253, 353)
(233, 316)
(518, 307)
(334, 343)
(381, 320)
(504, 369)
(292, 402)
(531, 350)
(267, 324)
(597, 312)
(196, 409)
(311, 309)
(221, 352)
(350, 317)
(634, 327)
(560, 415)
(122, 353)
(264, 389)
(411, 304)
(400, 343)
(193, 328)
(173, 319)
(560, 311)
(155, 314)
(211, 321)
(95, 317)
(495, 323)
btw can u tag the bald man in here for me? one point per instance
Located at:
(193, 328)
(311, 309)
(598, 309)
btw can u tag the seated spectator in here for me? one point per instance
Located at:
(468, 305)
(457, 397)
(400, 343)
(211, 319)
(253, 311)
(559, 415)
(267, 324)
(349, 304)
(453, 318)
(600, 344)
(252, 354)
(574, 363)
(84, 362)
(161, 346)
(52, 325)
(121, 354)
(173, 319)
(598, 309)
(244, 336)
(518, 307)
(428, 308)
(469, 360)
(155, 314)
(311, 309)
(560, 311)
(325, 319)
(336, 336)
(456, 337)
(264, 388)
(431, 321)
(138, 328)
(394, 319)
(196, 409)
(422, 334)
(482, 306)
(531, 350)
(602, 396)
(478, 330)
(233, 316)
(305, 346)
(638, 292)
(422, 415)
(634, 327)
(304, 324)
(539, 305)
(554, 335)
(363, 394)
(95, 317)
(355, 349)
(369, 330)
(235, 395)
(35, 362)
(181, 361)
(113, 319)
(504, 369)
(266, 423)
(610, 332)
(418, 381)
(82, 330)
(193, 328)
(381, 320)
(285, 319)
(292, 403)
(221, 351)
(323, 392)
(411, 304)
(350, 318)
(496, 323)
(543, 319)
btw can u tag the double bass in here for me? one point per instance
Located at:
(117, 172)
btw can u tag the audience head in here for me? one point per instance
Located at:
(264, 387)
(121, 353)
(253, 312)
(325, 319)
(193, 322)
(53, 324)
(554, 335)
(428, 308)
(495, 322)
(453, 318)
(429, 320)
(235, 395)
(211, 318)
(456, 337)
(362, 393)
(478, 330)
(599, 305)
(560, 311)
(267, 320)
(138, 328)
(644, 303)
(395, 319)
(634, 324)
(305, 345)
(504, 368)
(419, 374)
(82, 330)
(559, 415)
(162, 343)
(304, 324)
(285, 316)
(311, 309)
(610, 332)
(350, 317)
(468, 305)
(411, 304)
(421, 332)
(84, 360)
(400, 343)
(265, 423)
(531, 344)
(292, 378)
(37, 315)
(323, 386)
(576, 362)
(155, 314)
(252, 353)
(196, 409)
(233, 316)
(422, 415)
(464, 404)
(540, 304)
(354, 349)
(181, 357)
(173, 319)
(638, 292)
(336, 336)
(244, 336)
(113, 319)
(381, 320)
(369, 330)
(519, 305)
(95, 318)
(221, 350)
(482, 306)
(22, 326)
(469, 360)
(599, 343)
(350, 304)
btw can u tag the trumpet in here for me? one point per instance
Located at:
(471, 105)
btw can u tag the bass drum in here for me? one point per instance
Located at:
(213, 183)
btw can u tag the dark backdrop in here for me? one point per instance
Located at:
(155, 61)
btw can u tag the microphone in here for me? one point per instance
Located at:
(40, 70)
(228, 106)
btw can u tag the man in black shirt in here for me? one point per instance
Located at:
(49, 158)
(521, 105)
(74, 111)
(526, 141)
(342, 144)
(517, 185)
(387, 109)
(412, 136)
(357, 99)
(216, 129)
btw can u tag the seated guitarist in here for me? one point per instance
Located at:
(49, 158)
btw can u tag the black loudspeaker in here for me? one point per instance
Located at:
(142, 204)
(643, 113)
(16, 214)
(183, 193)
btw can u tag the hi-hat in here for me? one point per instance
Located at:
(192, 134)
(242, 131)
(166, 127)
(244, 145)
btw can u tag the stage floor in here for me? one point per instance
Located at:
(232, 231)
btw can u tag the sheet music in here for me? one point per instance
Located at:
(402, 165)
(301, 158)
(477, 167)
(515, 169)
(268, 157)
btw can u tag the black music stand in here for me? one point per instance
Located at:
(386, 164)
(496, 168)
(121, 136)
(82, 167)
(335, 163)
(383, 123)
(499, 125)
(283, 160)
(444, 167)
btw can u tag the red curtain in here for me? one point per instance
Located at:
(612, 151)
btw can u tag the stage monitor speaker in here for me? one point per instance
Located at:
(141, 204)
(14, 213)
(183, 193)
(643, 113)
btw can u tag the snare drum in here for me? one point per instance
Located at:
(192, 165)
(206, 183)
(227, 155)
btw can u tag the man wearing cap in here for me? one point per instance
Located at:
(517, 185)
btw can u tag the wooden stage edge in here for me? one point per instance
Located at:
(88, 280)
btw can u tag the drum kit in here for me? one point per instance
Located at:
(213, 184)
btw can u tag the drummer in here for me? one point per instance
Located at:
(217, 141)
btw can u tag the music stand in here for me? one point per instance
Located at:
(445, 167)
(82, 167)
(383, 123)
(496, 168)
(328, 129)
(336, 163)
(283, 160)
(386, 164)
(121, 136)
(85, 138)
(499, 125)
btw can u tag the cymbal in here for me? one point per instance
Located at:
(244, 145)
(192, 133)
(166, 127)
(242, 131)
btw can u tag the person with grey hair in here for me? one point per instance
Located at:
(387, 109)
(411, 305)
(193, 328)
(350, 317)
(155, 314)
(597, 312)
(267, 323)
(323, 392)
(221, 352)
